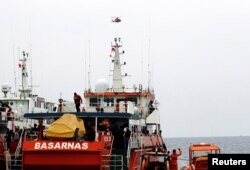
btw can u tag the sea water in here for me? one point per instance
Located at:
(239, 144)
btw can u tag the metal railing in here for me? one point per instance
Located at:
(135, 140)
(19, 146)
(114, 162)
(91, 107)
(12, 163)
(109, 162)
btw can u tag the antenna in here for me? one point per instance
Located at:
(30, 58)
(19, 57)
(85, 72)
(149, 73)
(14, 63)
(23, 74)
(142, 60)
(89, 78)
(89, 47)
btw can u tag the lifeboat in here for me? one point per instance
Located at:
(198, 155)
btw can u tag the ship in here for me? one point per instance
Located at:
(198, 155)
(114, 129)
(13, 105)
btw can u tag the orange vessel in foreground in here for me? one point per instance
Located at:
(198, 156)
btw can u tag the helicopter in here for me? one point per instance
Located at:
(116, 19)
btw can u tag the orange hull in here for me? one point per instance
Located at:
(61, 155)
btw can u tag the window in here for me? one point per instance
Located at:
(94, 101)
(109, 101)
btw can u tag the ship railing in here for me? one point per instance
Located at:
(135, 140)
(136, 108)
(112, 144)
(19, 146)
(140, 140)
(128, 150)
(12, 163)
(114, 162)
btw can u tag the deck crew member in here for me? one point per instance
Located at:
(90, 136)
(173, 159)
(126, 136)
(78, 101)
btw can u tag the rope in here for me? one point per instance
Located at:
(183, 159)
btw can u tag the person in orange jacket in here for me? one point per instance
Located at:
(173, 159)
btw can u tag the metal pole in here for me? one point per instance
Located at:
(96, 134)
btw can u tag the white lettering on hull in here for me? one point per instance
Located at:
(60, 145)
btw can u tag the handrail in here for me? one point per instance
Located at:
(111, 148)
(19, 146)
(93, 105)
(112, 162)
(12, 164)
(135, 140)
(128, 148)
(6, 164)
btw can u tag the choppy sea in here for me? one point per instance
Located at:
(236, 144)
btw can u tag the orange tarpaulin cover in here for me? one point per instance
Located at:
(65, 127)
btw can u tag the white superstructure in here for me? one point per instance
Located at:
(14, 105)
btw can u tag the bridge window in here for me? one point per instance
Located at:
(109, 101)
(38, 104)
(94, 101)
(131, 99)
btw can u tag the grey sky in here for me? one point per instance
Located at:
(199, 54)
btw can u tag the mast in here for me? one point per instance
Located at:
(117, 75)
(24, 90)
(14, 60)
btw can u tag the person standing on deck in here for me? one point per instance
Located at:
(173, 159)
(126, 136)
(8, 139)
(78, 101)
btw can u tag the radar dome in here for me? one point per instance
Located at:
(5, 88)
(101, 85)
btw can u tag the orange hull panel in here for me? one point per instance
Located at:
(61, 155)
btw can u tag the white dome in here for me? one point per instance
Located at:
(101, 85)
(5, 88)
